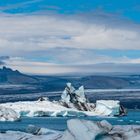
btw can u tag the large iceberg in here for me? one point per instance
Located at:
(43, 108)
(53, 109)
(73, 103)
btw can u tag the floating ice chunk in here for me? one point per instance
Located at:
(35, 130)
(8, 114)
(46, 134)
(108, 107)
(89, 130)
(78, 130)
(86, 130)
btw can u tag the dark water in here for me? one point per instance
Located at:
(59, 123)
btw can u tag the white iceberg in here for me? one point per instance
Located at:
(88, 130)
(78, 130)
(85, 130)
(73, 98)
(70, 94)
(8, 114)
(42, 108)
(50, 109)
(73, 103)
(108, 107)
(35, 130)
(17, 135)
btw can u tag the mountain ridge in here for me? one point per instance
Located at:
(7, 75)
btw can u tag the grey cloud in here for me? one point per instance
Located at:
(2, 63)
(68, 41)
(45, 68)
(4, 57)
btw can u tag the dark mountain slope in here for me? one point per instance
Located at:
(55, 83)
(9, 76)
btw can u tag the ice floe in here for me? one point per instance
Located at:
(78, 130)
(88, 130)
(8, 114)
(17, 135)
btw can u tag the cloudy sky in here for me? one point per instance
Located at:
(70, 36)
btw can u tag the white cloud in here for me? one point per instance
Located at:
(36, 35)
(124, 64)
(20, 33)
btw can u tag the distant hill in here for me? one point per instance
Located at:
(91, 82)
(10, 76)
(102, 82)
(49, 83)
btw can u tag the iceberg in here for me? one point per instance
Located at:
(89, 130)
(35, 130)
(73, 98)
(42, 108)
(43, 134)
(108, 107)
(86, 130)
(72, 95)
(77, 130)
(52, 109)
(73, 103)
(8, 114)
(103, 130)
